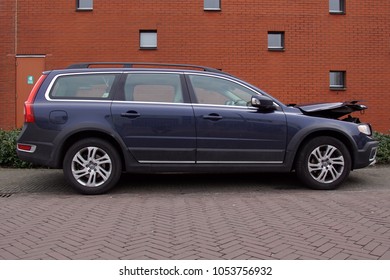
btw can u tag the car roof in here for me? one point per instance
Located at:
(140, 66)
(147, 64)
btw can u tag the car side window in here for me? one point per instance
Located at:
(219, 91)
(149, 87)
(83, 86)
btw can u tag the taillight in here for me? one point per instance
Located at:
(28, 105)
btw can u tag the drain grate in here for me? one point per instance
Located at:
(5, 194)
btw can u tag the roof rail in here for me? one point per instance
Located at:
(131, 64)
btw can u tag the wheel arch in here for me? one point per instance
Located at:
(347, 141)
(89, 133)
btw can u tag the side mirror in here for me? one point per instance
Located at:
(263, 103)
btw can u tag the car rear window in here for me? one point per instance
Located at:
(83, 86)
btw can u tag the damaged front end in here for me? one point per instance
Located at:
(334, 110)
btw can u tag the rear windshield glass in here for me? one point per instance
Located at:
(83, 86)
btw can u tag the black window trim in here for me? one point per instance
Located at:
(148, 31)
(339, 12)
(212, 9)
(277, 49)
(337, 87)
(79, 9)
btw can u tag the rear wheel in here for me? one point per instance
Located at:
(323, 163)
(92, 166)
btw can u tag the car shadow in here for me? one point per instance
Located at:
(53, 182)
(207, 183)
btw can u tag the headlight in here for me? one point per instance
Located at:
(364, 128)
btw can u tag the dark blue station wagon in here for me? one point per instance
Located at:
(96, 123)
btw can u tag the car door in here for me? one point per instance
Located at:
(228, 129)
(154, 118)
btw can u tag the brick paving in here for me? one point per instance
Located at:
(248, 216)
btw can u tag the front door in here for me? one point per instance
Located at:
(229, 130)
(28, 71)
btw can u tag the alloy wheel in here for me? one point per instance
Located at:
(91, 166)
(326, 164)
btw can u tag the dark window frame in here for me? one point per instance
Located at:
(212, 9)
(282, 41)
(341, 11)
(334, 86)
(78, 8)
(142, 31)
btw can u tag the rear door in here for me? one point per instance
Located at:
(229, 130)
(153, 116)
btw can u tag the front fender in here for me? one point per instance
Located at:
(298, 134)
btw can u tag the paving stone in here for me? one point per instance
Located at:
(194, 217)
(381, 250)
(385, 256)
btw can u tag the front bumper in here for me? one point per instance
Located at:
(366, 156)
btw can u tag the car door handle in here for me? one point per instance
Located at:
(131, 114)
(213, 117)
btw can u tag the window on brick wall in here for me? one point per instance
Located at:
(275, 41)
(337, 80)
(212, 5)
(337, 6)
(148, 39)
(84, 5)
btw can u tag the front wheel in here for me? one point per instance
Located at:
(92, 166)
(323, 163)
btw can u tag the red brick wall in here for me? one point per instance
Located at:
(234, 39)
(7, 65)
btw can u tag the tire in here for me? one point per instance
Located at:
(323, 163)
(92, 166)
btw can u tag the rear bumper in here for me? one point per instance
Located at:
(366, 156)
(35, 145)
(40, 155)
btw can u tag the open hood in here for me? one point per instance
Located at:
(331, 110)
